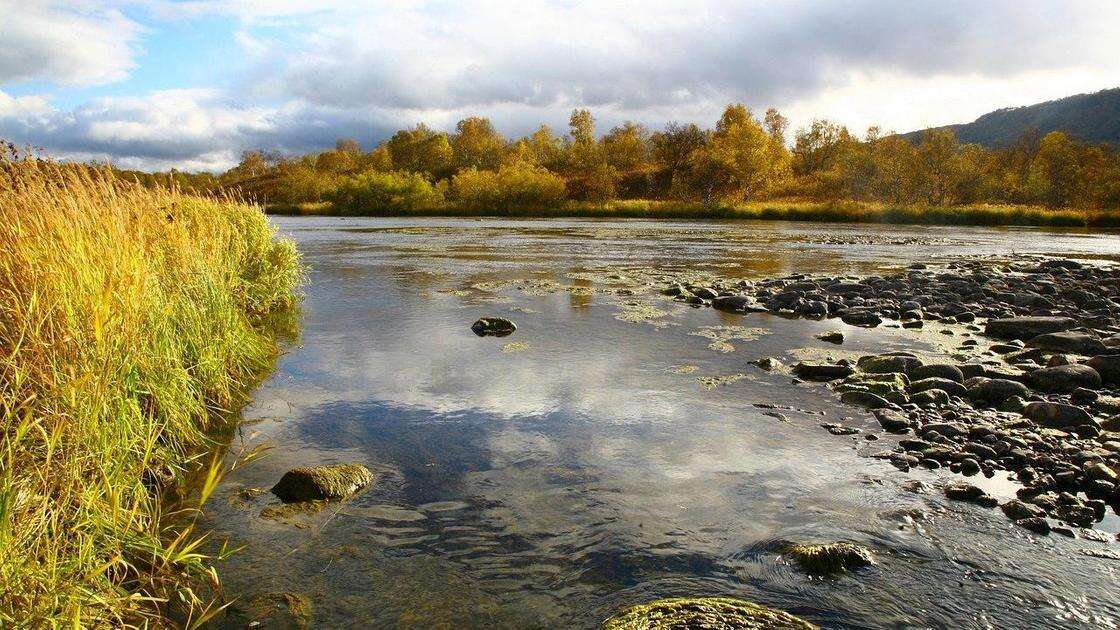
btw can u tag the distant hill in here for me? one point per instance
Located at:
(1091, 118)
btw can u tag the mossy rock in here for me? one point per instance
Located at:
(879, 384)
(281, 610)
(317, 483)
(830, 558)
(686, 613)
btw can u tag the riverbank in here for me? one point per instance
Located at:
(132, 322)
(778, 210)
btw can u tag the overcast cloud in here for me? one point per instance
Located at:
(82, 80)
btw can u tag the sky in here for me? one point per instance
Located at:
(156, 84)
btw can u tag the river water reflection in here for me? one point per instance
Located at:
(584, 463)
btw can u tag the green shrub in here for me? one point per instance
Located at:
(511, 188)
(384, 193)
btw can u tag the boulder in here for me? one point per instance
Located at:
(893, 421)
(1027, 327)
(821, 371)
(829, 558)
(704, 612)
(1063, 379)
(934, 382)
(1068, 341)
(493, 326)
(1108, 366)
(737, 304)
(832, 336)
(961, 491)
(316, 483)
(1057, 415)
(866, 319)
(936, 370)
(888, 363)
(864, 399)
(993, 391)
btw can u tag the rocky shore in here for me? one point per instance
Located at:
(1029, 381)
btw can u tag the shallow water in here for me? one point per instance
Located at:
(589, 466)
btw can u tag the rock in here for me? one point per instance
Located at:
(888, 363)
(1108, 366)
(1037, 525)
(1069, 341)
(1100, 472)
(832, 336)
(703, 293)
(885, 385)
(312, 483)
(1017, 510)
(1079, 515)
(893, 421)
(704, 612)
(943, 384)
(1063, 379)
(1027, 327)
(829, 558)
(768, 364)
(276, 610)
(969, 467)
(960, 491)
(493, 326)
(1057, 415)
(864, 399)
(866, 319)
(994, 390)
(1111, 424)
(936, 370)
(821, 371)
(737, 304)
(930, 398)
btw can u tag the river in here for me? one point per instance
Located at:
(618, 447)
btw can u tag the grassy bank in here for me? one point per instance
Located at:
(779, 210)
(131, 322)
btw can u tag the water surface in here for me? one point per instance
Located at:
(549, 483)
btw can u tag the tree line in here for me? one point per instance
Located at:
(743, 158)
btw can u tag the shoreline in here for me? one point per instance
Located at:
(826, 212)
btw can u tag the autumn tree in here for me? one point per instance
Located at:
(476, 144)
(421, 150)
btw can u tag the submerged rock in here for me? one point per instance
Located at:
(704, 612)
(832, 336)
(493, 326)
(961, 491)
(829, 558)
(312, 483)
(280, 610)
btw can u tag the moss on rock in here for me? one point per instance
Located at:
(704, 612)
(829, 558)
(311, 483)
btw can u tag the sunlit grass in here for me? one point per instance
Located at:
(131, 322)
(775, 210)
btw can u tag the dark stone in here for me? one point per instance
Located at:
(960, 491)
(822, 371)
(1057, 415)
(316, 483)
(866, 319)
(864, 399)
(1027, 327)
(1068, 341)
(1108, 366)
(493, 326)
(995, 390)
(893, 421)
(937, 370)
(935, 382)
(1063, 379)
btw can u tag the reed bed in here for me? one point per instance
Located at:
(132, 322)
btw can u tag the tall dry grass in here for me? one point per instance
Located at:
(131, 321)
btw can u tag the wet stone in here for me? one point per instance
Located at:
(493, 326)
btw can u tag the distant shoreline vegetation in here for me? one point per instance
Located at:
(685, 170)
(776, 210)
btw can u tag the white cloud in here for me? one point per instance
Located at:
(323, 70)
(75, 43)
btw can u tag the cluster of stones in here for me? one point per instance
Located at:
(1037, 396)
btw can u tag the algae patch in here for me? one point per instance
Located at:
(711, 382)
(683, 369)
(722, 336)
(515, 346)
(639, 312)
